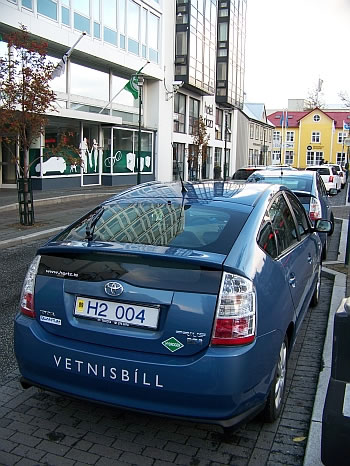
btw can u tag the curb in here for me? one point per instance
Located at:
(32, 236)
(313, 448)
(57, 200)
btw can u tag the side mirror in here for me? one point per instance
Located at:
(332, 192)
(322, 226)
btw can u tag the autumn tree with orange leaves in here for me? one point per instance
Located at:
(25, 97)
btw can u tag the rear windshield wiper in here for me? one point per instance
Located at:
(90, 227)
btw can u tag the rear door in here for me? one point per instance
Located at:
(297, 251)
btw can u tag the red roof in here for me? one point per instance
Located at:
(295, 117)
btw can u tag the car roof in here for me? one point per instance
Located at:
(228, 191)
(298, 173)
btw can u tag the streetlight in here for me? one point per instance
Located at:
(226, 113)
(140, 82)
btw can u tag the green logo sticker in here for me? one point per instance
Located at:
(172, 344)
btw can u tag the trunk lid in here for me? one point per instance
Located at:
(165, 297)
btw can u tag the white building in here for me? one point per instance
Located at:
(193, 58)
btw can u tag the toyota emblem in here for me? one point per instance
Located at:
(113, 289)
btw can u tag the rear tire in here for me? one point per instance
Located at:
(332, 221)
(325, 249)
(275, 398)
(316, 296)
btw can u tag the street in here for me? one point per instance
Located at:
(52, 429)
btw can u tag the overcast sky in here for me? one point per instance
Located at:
(290, 45)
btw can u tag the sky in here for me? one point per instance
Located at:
(290, 45)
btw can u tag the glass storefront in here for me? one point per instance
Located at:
(120, 151)
(86, 153)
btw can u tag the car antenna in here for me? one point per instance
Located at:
(183, 189)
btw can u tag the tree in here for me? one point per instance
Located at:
(344, 97)
(25, 97)
(314, 99)
(200, 144)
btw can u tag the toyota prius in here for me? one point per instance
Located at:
(176, 299)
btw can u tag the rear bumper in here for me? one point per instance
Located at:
(221, 385)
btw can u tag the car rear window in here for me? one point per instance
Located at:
(321, 171)
(243, 173)
(293, 183)
(190, 226)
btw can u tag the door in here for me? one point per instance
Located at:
(91, 155)
(296, 249)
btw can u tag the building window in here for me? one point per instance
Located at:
(261, 133)
(341, 137)
(193, 115)
(178, 160)
(317, 118)
(27, 4)
(217, 157)
(65, 16)
(290, 136)
(276, 136)
(289, 157)
(251, 131)
(228, 125)
(81, 23)
(47, 8)
(179, 113)
(153, 38)
(84, 79)
(276, 156)
(109, 12)
(341, 158)
(133, 27)
(314, 158)
(316, 136)
(218, 123)
(250, 157)
(256, 132)
(97, 31)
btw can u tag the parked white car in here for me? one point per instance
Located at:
(329, 175)
(341, 173)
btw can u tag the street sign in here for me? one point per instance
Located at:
(347, 142)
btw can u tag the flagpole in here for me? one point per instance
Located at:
(60, 68)
(282, 136)
(120, 90)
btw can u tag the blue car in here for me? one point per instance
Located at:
(311, 191)
(176, 299)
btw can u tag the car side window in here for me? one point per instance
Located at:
(267, 238)
(321, 187)
(283, 224)
(300, 216)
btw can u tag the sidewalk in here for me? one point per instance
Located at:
(51, 215)
(50, 210)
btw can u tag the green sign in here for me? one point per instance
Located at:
(172, 344)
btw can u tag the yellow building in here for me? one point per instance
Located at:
(310, 137)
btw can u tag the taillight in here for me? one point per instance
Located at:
(27, 297)
(315, 209)
(331, 178)
(235, 313)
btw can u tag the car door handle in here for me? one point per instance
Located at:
(309, 259)
(292, 280)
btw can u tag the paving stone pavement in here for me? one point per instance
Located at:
(42, 428)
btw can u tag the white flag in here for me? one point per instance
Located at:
(61, 67)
